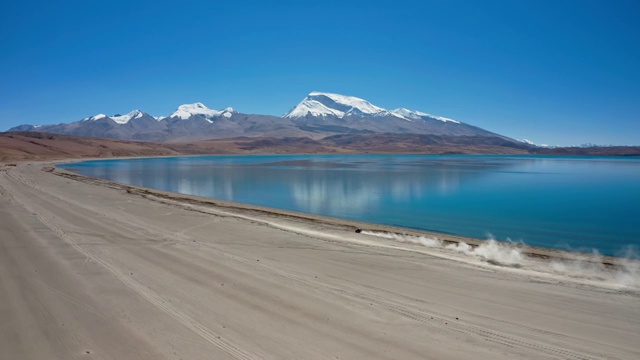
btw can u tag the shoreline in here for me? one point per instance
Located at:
(529, 250)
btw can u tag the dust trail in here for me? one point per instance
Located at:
(419, 240)
(504, 254)
(625, 273)
(492, 251)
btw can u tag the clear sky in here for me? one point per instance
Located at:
(554, 72)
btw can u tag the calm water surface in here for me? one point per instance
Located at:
(578, 203)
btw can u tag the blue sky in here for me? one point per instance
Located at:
(555, 72)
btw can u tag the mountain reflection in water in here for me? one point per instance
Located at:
(578, 202)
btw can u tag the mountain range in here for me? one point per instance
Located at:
(318, 115)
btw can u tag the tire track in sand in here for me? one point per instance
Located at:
(134, 285)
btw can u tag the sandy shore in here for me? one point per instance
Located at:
(94, 269)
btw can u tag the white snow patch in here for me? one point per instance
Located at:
(228, 112)
(123, 119)
(95, 117)
(417, 115)
(355, 103)
(442, 118)
(187, 110)
(408, 114)
(313, 108)
(327, 104)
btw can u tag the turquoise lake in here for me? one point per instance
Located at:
(577, 203)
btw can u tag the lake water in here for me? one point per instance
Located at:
(578, 203)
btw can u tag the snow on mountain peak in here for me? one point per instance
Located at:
(120, 119)
(442, 118)
(322, 104)
(417, 115)
(123, 119)
(408, 114)
(328, 104)
(228, 112)
(317, 104)
(95, 117)
(187, 110)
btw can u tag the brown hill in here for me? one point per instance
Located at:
(16, 146)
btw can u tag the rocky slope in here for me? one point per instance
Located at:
(318, 115)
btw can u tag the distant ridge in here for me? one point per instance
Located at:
(317, 116)
(42, 146)
(17, 146)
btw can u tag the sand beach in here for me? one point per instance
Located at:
(94, 269)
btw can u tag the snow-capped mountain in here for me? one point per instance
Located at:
(119, 119)
(318, 115)
(186, 111)
(123, 119)
(327, 104)
(320, 104)
(326, 112)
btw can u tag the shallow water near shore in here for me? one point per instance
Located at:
(571, 203)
